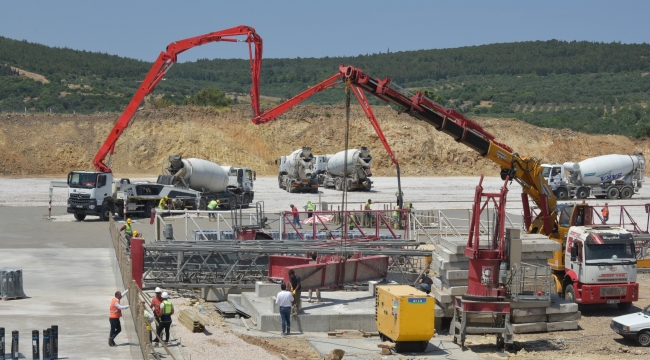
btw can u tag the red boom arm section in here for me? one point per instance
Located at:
(169, 57)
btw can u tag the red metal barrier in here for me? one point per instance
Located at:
(137, 260)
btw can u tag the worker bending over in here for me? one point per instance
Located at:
(296, 289)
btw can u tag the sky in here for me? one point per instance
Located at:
(290, 29)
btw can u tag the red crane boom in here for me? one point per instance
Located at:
(164, 62)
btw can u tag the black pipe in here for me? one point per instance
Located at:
(2, 343)
(47, 353)
(54, 335)
(14, 345)
(36, 351)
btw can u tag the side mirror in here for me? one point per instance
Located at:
(574, 253)
(276, 161)
(254, 175)
(69, 178)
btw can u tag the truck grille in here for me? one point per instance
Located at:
(79, 199)
(613, 291)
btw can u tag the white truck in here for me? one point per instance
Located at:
(358, 170)
(634, 326)
(296, 172)
(232, 186)
(600, 266)
(609, 176)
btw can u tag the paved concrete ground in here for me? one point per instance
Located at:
(68, 279)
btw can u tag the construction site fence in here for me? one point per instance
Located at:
(138, 334)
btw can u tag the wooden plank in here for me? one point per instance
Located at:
(245, 324)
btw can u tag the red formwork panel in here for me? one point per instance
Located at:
(331, 274)
(137, 260)
(278, 265)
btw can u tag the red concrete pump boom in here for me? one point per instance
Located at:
(164, 62)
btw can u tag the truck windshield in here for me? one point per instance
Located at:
(82, 180)
(546, 171)
(607, 251)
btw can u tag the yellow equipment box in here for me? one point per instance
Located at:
(404, 315)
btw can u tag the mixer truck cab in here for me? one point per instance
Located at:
(600, 266)
(90, 193)
(240, 179)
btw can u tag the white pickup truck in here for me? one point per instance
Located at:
(634, 326)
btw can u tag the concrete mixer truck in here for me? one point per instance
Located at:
(230, 185)
(297, 172)
(357, 173)
(609, 176)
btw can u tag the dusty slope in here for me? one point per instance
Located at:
(55, 144)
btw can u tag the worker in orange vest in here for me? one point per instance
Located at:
(605, 212)
(115, 315)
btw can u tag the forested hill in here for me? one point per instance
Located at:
(585, 86)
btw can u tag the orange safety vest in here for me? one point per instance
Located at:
(115, 312)
(605, 211)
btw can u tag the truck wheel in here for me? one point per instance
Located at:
(232, 202)
(612, 193)
(643, 338)
(582, 193)
(338, 185)
(562, 193)
(147, 209)
(627, 192)
(569, 293)
(247, 200)
(79, 217)
(280, 183)
(625, 306)
(106, 213)
(120, 210)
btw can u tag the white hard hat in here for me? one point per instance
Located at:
(158, 290)
(165, 295)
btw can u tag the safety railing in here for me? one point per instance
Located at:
(192, 230)
(134, 296)
(531, 283)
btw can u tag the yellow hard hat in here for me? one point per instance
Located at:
(135, 233)
(128, 221)
(166, 197)
(218, 201)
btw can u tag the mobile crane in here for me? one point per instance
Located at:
(94, 193)
(557, 222)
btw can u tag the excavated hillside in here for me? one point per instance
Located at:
(33, 145)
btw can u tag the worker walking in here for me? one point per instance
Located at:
(115, 315)
(605, 212)
(367, 218)
(296, 289)
(166, 312)
(296, 216)
(156, 302)
(211, 206)
(313, 261)
(284, 299)
(310, 209)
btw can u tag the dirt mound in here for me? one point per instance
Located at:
(44, 144)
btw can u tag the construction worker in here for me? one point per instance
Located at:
(296, 216)
(148, 318)
(115, 315)
(351, 222)
(211, 206)
(166, 312)
(396, 218)
(128, 230)
(296, 289)
(400, 198)
(284, 299)
(155, 306)
(310, 209)
(605, 212)
(367, 218)
(162, 205)
(425, 282)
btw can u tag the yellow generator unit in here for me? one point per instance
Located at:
(405, 316)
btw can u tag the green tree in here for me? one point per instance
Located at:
(209, 97)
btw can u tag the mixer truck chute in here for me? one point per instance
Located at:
(358, 170)
(296, 171)
(608, 176)
(104, 200)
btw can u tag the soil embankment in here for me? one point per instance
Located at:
(43, 144)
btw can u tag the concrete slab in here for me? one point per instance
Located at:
(529, 328)
(517, 319)
(528, 311)
(454, 244)
(450, 256)
(442, 264)
(452, 290)
(529, 304)
(440, 347)
(560, 305)
(562, 325)
(454, 274)
(452, 282)
(266, 289)
(442, 296)
(564, 317)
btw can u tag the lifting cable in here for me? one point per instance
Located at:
(344, 204)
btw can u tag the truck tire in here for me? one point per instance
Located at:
(627, 192)
(79, 217)
(338, 185)
(280, 183)
(625, 306)
(106, 213)
(613, 193)
(643, 338)
(232, 202)
(247, 200)
(569, 293)
(120, 209)
(562, 193)
(147, 209)
(582, 192)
